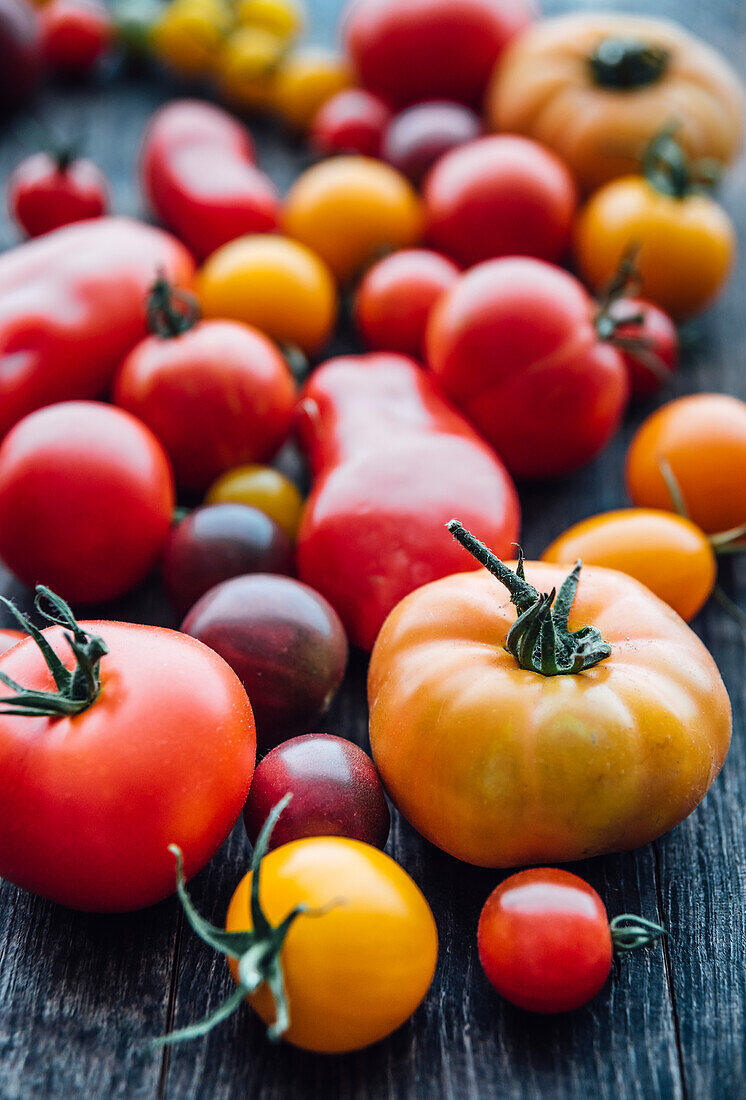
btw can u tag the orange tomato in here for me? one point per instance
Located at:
(665, 552)
(702, 438)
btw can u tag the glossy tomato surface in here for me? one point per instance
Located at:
(75, 34)
(419, 135)
(44, 194)
(650, 345)
(9, 638)
(352, 121)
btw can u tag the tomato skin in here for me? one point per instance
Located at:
(86, 498)
(74, 34)
(544, 940)
(9, 638)
(43, 196)
(94, 801)
(338, 967)
(419, 135)
(352, 121)
(264, 488)
(661, 339)
(395, 297)
(430, 49)
(703, 439)
(199, 177)
(667, 553)
(500, 196)
(304, 80)
(514, 345)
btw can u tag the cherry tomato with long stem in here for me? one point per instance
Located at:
(75, 34)
(352, 121)
(47, 190)
(418, 136)
(264, 488)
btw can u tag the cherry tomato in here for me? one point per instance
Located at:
(46, 191)
(217, 542)
(413, 50)
(304, 80)
(9, 638)
(500, 196)
(75, 34)
(284, 18)
(20, 53)
(352, 121)
(284, 641)
(420, 135)
(335, 787)
(276, 284)
(702, 440)
(649, 345)
(86, 498)
(665, 552)
(348, 209)
(264, 488)
(247, 65)
(188, 35)
(395, 297)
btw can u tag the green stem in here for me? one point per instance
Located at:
(669, 170)
(627, 63)
(170, 311)
(629, 932)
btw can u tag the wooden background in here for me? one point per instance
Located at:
(80, 995)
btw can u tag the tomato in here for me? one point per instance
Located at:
(649, 343)
(413, 50)
(347, 209)
(702, 440)
(159, 750)
(352, 121)
(86, 497)
(75, 34)
(188, 35)
(335, 792)
(500, 196)
(264, 488)
(515, 345)
(21, 60)
(9, 638)
(667, 553)
(304, 80)
(46, 191)
(395, 297)
(418, 136)
(275, 284)
(284, 18)
(599, 738)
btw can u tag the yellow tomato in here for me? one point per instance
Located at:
(358, 971)
(264, 488)
(246, 67)
(305, 80)
(667, 553)
(188, 35)
(279, 286)
(349, 209)
(283, 18)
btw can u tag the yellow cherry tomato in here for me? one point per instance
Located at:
(247, 65)
(264, 488)
(278, 285)
(356, 972)
(351, 208)
(284, 18)
(188, 35)
(305, 80)
(667, 553)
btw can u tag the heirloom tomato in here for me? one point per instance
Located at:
(48, 190)
(264, 488)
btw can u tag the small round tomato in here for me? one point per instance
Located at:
(284, 18)
(278, 285)
(86, 498)
(75, 34)
(9, 638)
(352, 121)
(500, 196)
(303, 82)
(335, 792)
(264, 488)
(418, 136)
(188, 35)
(649, 343)
(246, 67)
(46, 191)
(665, 552)
(348, 209)
(285, 643)
(701, 439)
(395, 297)
(21, 59)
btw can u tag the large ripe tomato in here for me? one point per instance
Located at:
(46, 191)
(413, 50)
(514, 343)
(86, 499)
(9, 638)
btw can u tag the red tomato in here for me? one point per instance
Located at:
(9, 638)
(46, 191)
(86, 499)
(352, 121)
(412, 50)
(500, 196)
(394, 299)
(421, 134)
(20, 53)
(514, 344)
(649, 344)
(74, 34)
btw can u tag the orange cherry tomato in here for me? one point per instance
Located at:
(702, 439)
(264, 488)
(665, 552)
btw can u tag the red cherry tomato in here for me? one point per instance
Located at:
(9, 638)
(335, 787)
(394, 299)
(500, 196)
(412, 50)
(352, 121)
(420, 135)
(86, 498)
(46, 191)
(649, 345)
(20, 53)
(74, 34)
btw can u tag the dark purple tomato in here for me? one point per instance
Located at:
(420, 135)
(335, 787)
(219, 541)
(20, 53)
(284, 642)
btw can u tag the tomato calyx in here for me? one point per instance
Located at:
(170, 310)
(629, 932)
(669, 170)
(540, 639)
(77, 689)
(627, 63)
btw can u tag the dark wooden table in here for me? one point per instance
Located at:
(81, 995)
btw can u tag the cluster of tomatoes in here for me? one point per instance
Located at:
(465, 152)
